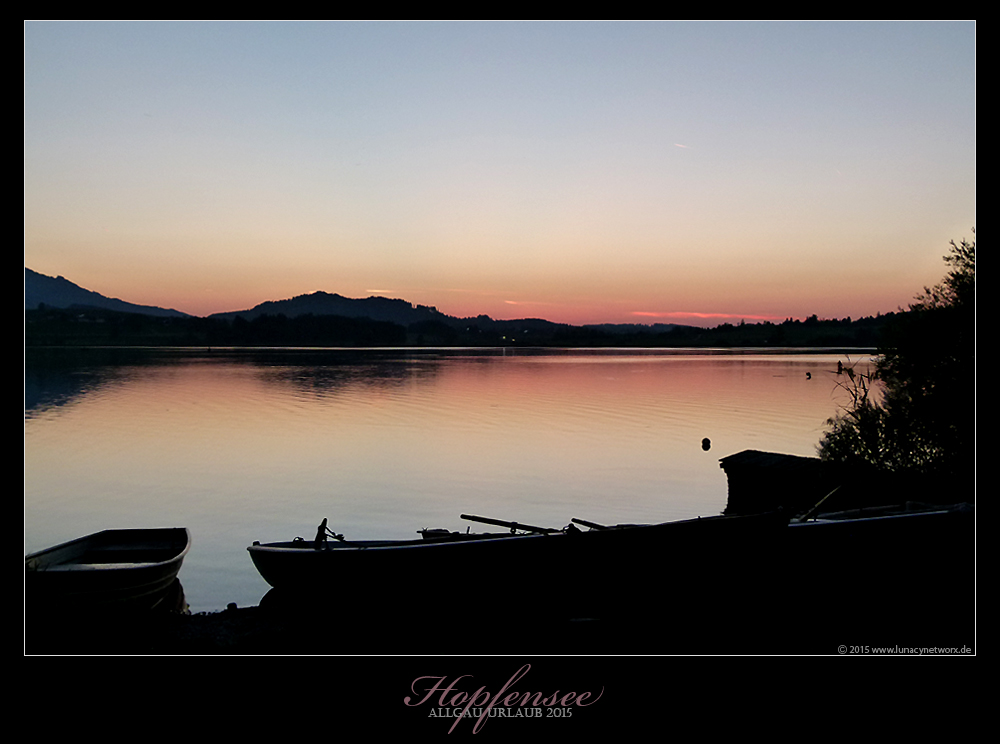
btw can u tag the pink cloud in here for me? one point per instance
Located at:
(703, 316)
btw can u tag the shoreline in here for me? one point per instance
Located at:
(795, 628)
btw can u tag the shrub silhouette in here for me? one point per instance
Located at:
(915, 412)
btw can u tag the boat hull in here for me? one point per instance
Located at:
(110, 569)
(581, 572)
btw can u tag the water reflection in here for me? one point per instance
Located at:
(241, 446)
(57, 377)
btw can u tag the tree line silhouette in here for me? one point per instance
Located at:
(914, 414)
(83, 326)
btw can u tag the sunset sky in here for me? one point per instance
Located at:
(580, 172)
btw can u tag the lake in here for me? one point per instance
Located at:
(244, 445)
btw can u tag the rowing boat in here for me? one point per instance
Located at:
(526, 565)
(121, 567)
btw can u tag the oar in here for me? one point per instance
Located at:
(512, 525)
(819, 503)
(592, 525)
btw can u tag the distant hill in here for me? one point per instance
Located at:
(382, 309)
(57, 292)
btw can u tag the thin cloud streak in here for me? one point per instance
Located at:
(704, 316)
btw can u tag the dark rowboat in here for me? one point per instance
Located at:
(606, 563)
(113, 568)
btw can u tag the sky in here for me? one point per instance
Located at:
(586, 172)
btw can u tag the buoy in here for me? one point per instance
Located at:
(706, 444)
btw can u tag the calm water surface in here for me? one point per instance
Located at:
(262, 445)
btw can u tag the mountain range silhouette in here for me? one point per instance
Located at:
(58, 292)
(61, 313)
